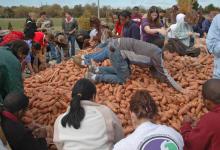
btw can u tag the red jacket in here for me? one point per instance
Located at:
(118, 28)
(206, 134)
(39, 37)
(12, 36)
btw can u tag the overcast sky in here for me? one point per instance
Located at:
(112, 3)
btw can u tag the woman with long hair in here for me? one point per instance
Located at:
(152, 29)
(86, 125)
(148, 135)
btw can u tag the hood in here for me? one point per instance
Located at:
(180, 18)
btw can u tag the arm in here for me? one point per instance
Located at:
(30, 68)
(162, 73)
(26, 140)
(2, 82)
(148, 30)
(56, 138)
(212, 41)
(38, 23)
(196, 138)
(75, 27)
(119, 134)
(63, 25)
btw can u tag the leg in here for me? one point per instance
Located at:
(119, 64)
(98, 56)
(106, 70)
(72, 39)
(109, 78)
(216, 73)
(52, 51)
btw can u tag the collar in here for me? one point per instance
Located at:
(68, 21)
(144, 125)
(10, 116)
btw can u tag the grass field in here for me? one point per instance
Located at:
(18, 23)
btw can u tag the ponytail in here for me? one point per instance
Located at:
(82, 90)
(75, 114)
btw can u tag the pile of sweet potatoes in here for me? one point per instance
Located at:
(50, 91)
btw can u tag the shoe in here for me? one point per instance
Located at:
(88, 75)
(92, 68)
(78, 61)
(193, 52)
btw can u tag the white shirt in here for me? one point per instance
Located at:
(2, 147)
(94, 132)
(93, 33)
(171, 31)
(147, 134)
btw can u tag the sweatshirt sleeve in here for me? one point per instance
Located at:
(197, 138)
(56, 138)
(213, 40)
(119, 134)
(162, 73)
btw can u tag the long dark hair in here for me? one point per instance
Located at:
(82, 90)
(150, 19)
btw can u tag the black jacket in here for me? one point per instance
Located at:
(19, 137)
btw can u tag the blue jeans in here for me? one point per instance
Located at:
(52, 51)
(98, 56)
(216, 73)
(71, 39)
(59, 54)
(119, 71)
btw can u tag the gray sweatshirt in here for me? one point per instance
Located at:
(143, 53)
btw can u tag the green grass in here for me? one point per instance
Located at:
(18, 23)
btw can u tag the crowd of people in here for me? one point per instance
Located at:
(138, 39)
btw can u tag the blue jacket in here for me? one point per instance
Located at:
(213, 37)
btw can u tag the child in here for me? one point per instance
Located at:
(31, 60)
(206, 134)
(147, 134)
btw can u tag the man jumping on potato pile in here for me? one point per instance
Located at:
(126, 51)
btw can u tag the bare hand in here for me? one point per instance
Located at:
(187, 119)
(190, 33)
(40, 133)
(163, 32)
(33, 126)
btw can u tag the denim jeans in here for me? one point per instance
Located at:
(98, 56)
(216, 73)
(59, 54)
(71, 40)
(52, 51)
(119, 71)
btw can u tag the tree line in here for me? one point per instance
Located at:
(77, 11)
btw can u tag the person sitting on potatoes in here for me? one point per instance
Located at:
(126, 51)
(147, 134)
(86, 125)
(205, 135)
